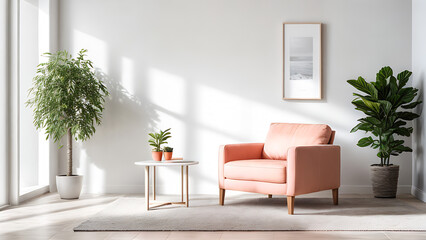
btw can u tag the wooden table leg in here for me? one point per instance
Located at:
(181, 183)
(186, 187)
(147, 187)
(153, 182)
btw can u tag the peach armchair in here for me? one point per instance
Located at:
(295, 159)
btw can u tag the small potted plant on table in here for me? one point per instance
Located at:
(386, 106)
(158, 139)
(168, 153)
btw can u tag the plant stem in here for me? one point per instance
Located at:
(69, 152)
(380, 147)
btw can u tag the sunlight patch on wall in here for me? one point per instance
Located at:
(221, 110)
(127, 75)
(94, 177)
(97, 49)
(167, 91)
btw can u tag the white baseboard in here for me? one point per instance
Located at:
(4, 206)
(138, 189)
(119, 189)
(418, 193)
(368, 189)
(34, 193)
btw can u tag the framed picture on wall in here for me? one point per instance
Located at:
(302, 61)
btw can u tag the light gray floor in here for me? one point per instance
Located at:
(258, 213)
(49, 217)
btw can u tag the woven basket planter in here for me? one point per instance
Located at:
(384, 180)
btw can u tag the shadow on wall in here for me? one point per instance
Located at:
(125, 118)
(418, 141)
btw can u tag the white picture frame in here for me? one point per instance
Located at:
(302, 73)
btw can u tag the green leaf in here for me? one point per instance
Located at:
(401, 148)
(403, 78)
(372, 120)
(363, 86)
(411, 105)
(374, 106)
(407, 95)
(407, 115)
(386, 106)
(360, 105)
(375, 145)
(384, 73)
(399, 124)
(362, 126)
(404, 131)
(364, 142)
(396, 143)
(382, 76)
(393, 85)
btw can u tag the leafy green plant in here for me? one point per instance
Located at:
(158, 139)
(168, 149)
(67, 98)
(382, 106)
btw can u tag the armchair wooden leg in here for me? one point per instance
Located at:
(290, 205)
(269, 195)
(221, 196)
(335, 196)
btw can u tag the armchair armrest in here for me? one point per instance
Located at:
(232, 152)
(312, 169)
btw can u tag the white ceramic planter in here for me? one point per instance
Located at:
(69, 187)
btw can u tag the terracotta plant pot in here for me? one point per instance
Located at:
(384, 180)
(157, 156)
(168, 155)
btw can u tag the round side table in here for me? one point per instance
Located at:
(168, 163)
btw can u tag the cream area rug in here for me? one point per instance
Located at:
(262, 214)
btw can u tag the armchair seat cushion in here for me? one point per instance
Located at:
(262, 170)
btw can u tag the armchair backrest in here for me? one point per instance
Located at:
(282, 136)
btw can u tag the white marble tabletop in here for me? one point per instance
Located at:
(166, 163)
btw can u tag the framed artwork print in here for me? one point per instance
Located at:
(302, 61)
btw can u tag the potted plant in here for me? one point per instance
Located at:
(168, 153)
(158, 139)
(386, 104)
(67, 99)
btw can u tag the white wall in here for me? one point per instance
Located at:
(419, 76)
(211, 70)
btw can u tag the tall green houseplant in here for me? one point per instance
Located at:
(386, 103)
(67, 98)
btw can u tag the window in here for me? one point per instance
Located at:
(33, 147)
(3, 105)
